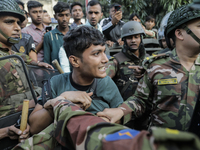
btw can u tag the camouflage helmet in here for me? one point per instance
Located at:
(12, 8)
(163, 25)
(131, 28)
(179, 17)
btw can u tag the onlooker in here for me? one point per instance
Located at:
(46, 18)
(94, 14)
(134, 17)
(77, 14)
(53, 40)
(37, 28)
(112, 26)
(149, 24)
(20, 4)
(25, 22)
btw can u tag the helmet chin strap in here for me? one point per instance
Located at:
(188, 31)
(10, 40)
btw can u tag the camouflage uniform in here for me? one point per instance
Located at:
(117, 67)
(168, 89)
(13, 85)
(93, 133)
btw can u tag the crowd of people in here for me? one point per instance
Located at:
(128, 101)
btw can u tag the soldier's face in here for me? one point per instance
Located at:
(92, 63)
(10, 26)
(36, 15)
(77, 12)
(63, 18)
(94, 14)
(133, 41)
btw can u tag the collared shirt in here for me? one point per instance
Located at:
(37, 35)
(53, 40)
(169, 90)
(98, 26)
(74, 25)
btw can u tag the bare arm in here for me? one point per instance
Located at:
(33, 55)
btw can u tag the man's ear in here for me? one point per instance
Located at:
(101, 15)
(55, 16)
(74, 61)
(179, 34)
(28, 14)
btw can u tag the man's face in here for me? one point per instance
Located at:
(93, 62)
(133, 41)
(46, 18)
(112, 11)
(164, 43)
(25, 22)
(149, 24)
(36, 15)
(63, 18)
(77, 12)
(135, 18)
(10, 26)
(94, 14)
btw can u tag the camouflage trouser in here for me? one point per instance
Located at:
(81, 130)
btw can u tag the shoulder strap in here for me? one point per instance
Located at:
(120, 57)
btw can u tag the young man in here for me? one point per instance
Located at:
(112, 26)
(37, 28)
(133, 53)
(170, 86)
(10, 17)
(87, 84)
(53, 40)
(77, 14)
(94, 14)
(46, 18)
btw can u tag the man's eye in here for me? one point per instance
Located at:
(96, 54)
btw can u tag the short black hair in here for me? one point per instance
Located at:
(20, 3)
(33, 4)
(44, 11)
(74, 4)
(113, 5)
(25, 12)
(132, 15)
(60, 7)
(93, 3)
(150, 18)
(77, 40)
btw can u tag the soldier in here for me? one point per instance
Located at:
(76, 129)
(133, 53)
(170, 85)
(10, 17)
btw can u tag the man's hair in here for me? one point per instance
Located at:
(60, 7)
(74, 4)
(25, 12)
(33, 4)
(93, 3)
(132, 15)
(20, 3)
(113, 5)
(77, 40)
(44, 11)
(150, 18)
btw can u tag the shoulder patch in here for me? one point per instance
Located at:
(122, 134)
(152, 58)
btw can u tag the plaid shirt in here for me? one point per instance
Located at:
(37, 35)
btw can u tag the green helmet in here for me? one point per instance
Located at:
(12, 8)
(131, 28)
(179, 17)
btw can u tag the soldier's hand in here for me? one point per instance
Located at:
(13, 132)
(117, 16)
(25, 134)
(46, 65)
(114, 114)
(78, 97)
(139, 71)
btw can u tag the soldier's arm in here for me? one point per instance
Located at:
(111, 67)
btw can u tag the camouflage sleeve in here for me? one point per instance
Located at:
(111, 67)
(137, 104)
